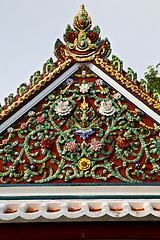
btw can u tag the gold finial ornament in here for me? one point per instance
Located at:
(82, 21)
(82, 11)
(83, 43)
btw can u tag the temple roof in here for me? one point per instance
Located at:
(82, 140)
(83, 120)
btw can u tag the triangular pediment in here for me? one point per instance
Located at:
(83, 120)
(80, 129)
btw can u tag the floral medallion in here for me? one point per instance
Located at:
(84, 164)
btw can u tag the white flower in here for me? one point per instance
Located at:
(10, 130)
(62, 108)
(84, 88)
(156, 127)
(117, 96)
(10, 108)
(106, 108)
(31, 113)
(99, 82)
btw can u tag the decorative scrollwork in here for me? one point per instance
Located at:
(83, 131)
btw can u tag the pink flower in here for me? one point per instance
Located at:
(96, 145)
(71, 146)
(40, 120)
(23, 126)
(137, 111)
(4, 142)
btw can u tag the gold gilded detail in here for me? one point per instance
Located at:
(157, 94)
(47, 67)
(79, 18)
(84, 164)
(131, 76)
(84, 105)
(119, 66)
(146, 87)
(84, 108)
(87, 57)
(128, 84)
(36, 87)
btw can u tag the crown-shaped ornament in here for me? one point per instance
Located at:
(82, 42)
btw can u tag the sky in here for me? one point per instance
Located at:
(29, 29)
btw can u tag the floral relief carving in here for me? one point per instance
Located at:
(106, 108)
(83, 131)
(62, 108)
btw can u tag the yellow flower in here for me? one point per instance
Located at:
(84, 164)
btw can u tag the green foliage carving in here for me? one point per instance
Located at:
(131, 75)
(97, 29)
(145, 86)
(35, 78)
(57, 49)
(117, 63)
(8, 100)
(48, 66)
(22, 89)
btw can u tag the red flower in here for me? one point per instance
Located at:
(46, 143)
(40, 120)
(123, 143)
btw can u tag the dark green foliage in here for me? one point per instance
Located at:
(96, 29)
(152, 77)
(131, 75)
(48, 66)
(35, 78)
(8, 100)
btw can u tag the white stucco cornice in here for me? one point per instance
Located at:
(79, 210)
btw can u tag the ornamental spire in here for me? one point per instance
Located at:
(82, 21)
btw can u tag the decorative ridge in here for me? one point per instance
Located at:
(36, 87)
(128, 83)
(154, 103)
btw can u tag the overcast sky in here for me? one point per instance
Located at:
(29, 29)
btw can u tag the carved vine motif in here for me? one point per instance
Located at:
(84, 130)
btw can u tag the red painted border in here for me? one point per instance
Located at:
(80, 230)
